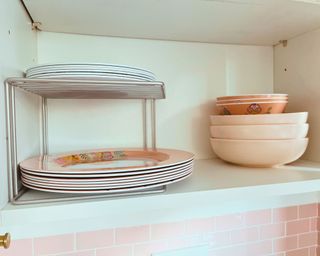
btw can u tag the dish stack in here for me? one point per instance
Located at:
(258, 140)
(106, 171)
(90, 71)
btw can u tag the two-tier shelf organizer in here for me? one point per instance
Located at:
(73, 89)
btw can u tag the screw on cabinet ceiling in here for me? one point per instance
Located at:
(284, 43)
(36, 25)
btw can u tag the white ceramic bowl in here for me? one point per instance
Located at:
(283, 118)
(259, 153)
(260, 132)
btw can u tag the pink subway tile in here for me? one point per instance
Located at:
(115, 251)
(308, 239)
(54, 244)
(244, 235)
(79, 253)
(146, 249)
(198, 226)
(258, 217)
(285, 214)
(167, 230)
(314, 224)
(272, 231)
(313, 251)
(260, 248)
(132, 234)
(94, 239)
(297, 227)
(285, 244)
(298, 252)
(231, 221)
(18, 247)
(308, 210)
(218, 239)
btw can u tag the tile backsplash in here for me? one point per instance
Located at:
(289, 231)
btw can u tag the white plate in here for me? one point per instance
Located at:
(95, 71)
(107, 191)
(108, 185)
(106, 175)
(91, 66)
(92, 72)
(99, 161)
(113, 179)
(91, 76)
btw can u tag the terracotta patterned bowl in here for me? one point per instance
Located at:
(251, 108)
(256, 96)
(253, 100)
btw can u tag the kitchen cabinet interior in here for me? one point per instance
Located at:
(195, 73)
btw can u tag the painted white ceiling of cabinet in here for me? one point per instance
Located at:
(258, 22)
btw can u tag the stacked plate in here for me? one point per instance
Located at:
(90, 71)
(106, 171)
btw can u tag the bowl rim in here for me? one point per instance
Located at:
(261, 115)
(259, 141)
(250, 103)
(256, 95)
(253, 99)
(259, 125)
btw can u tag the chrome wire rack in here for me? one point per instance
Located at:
(73, 89)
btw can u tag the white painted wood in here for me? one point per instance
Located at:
(297, 73)
(17, 51)
(194, 75)
(255, 22)
(215, 188)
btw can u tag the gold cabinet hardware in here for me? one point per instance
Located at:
(5, 241)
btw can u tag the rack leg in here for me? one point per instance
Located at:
(153, 124)
(44, 126)
(14, 142)
(9, 139)
(144, 123)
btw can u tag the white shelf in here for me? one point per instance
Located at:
(214, 188)
(253, 22)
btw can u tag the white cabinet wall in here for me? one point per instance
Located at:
(18, 50)
(297, 73)
(194, 75)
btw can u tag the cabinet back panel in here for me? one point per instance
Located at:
(194, 75)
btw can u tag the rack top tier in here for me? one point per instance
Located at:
(90, 89)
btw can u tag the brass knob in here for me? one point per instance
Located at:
(5, 241)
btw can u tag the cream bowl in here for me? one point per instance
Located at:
(260, 132)
(283, 118)
(259, 153)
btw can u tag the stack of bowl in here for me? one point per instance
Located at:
(259, 140)
(252, 104)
